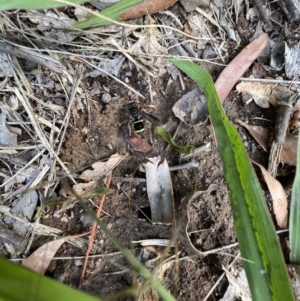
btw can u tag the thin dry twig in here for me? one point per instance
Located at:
(93, 233)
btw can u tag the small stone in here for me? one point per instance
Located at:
(106, 98)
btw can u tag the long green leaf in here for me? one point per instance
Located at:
(18, 283)
(33, 4)
(263, 260)
(112, 13)
(294, 223)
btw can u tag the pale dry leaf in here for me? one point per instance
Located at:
(93, 178)
(40, 259)
(51, 23)
(292, 61)
(7, 138)
(238, 288)
(252, 13)
(261, 93)
(191, 5)
(101, 169)
(23, 207)
(111, 66)
(5, 66)
(150, 43)
(278, 195)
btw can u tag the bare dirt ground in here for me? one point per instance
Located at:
(97, 131)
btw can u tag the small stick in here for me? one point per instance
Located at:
(93, 233)
(282, 122)
(184, 166)
(31, 55)
(263, 14)
(196, 151)
(272, 81)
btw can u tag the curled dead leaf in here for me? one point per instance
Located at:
(40, 259)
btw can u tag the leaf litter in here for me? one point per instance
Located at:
(58, 101)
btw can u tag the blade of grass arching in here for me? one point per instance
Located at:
(32, 4)
(294, 222)
(18, 283)
(260, 249)
(112, 13)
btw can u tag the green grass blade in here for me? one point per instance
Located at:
(185, 150)
(18, 283)
(263, 260)
(33, 4)
(294, 223)
(111, 13)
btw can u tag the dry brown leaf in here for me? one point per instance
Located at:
(289, 150)
(263, 137)
(278, 195)
(101, 169)
(261, 93)
(40, 259)
(138, 143)
(147, 7)
(237, 67)
(93, 178)
(260, 134)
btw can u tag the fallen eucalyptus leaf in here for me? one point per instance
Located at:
(238, 66)
(40, 259)
(278, 195)
(185, 150)
(263, 137)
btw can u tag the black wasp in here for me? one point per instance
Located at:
(138, 124)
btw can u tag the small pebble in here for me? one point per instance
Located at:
(64, 219)
(86, 219)
(106, 98)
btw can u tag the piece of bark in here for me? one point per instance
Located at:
(283, 115)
